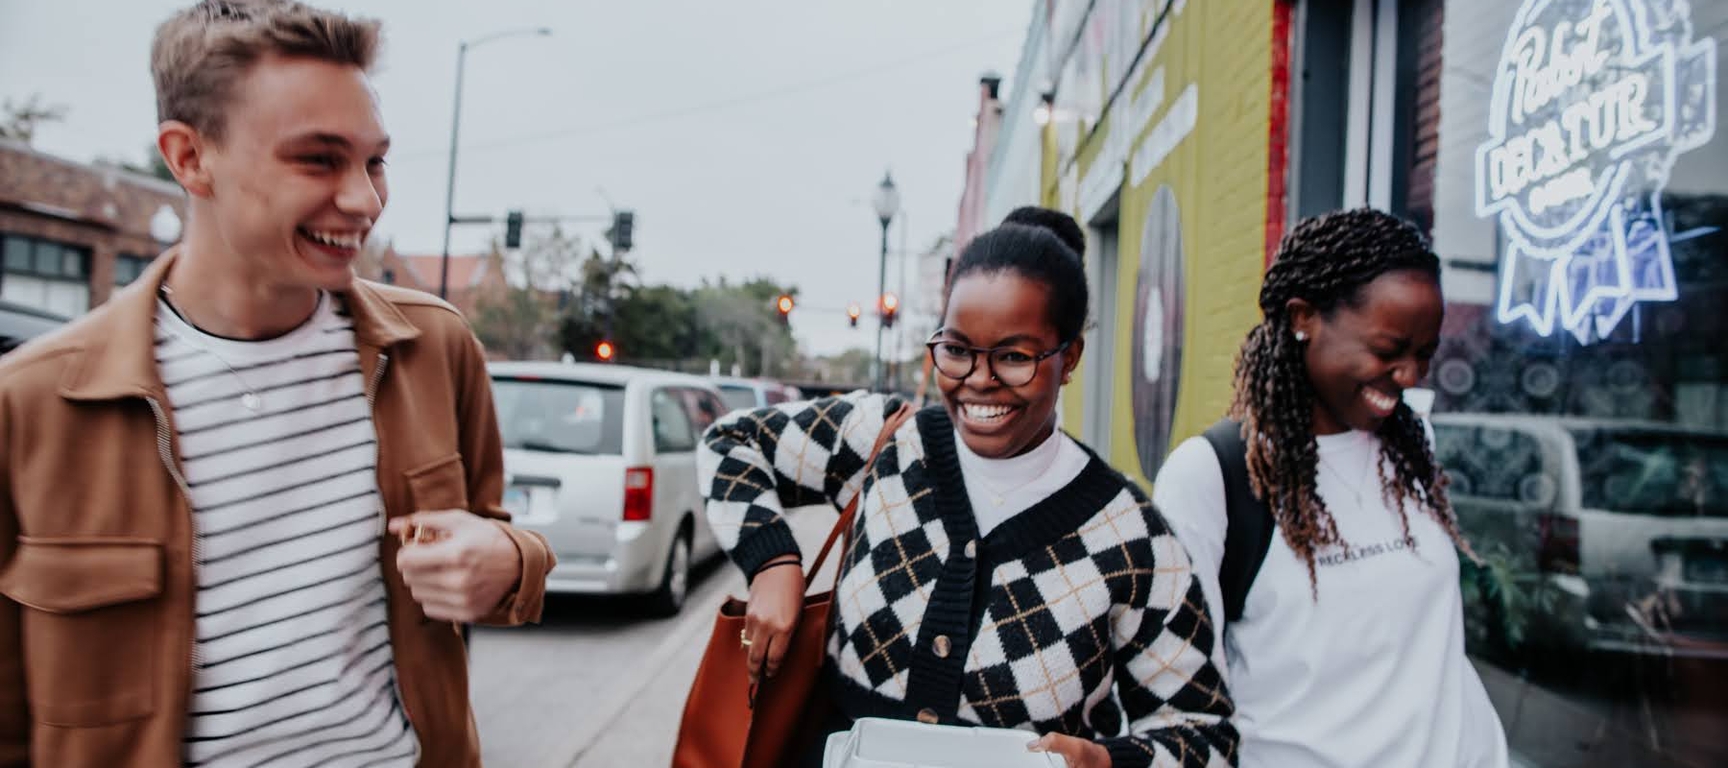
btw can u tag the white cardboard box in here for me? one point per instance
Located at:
(879, 743)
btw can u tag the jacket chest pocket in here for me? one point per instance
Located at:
(90, 624)
(442, 484)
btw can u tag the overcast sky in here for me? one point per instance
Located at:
(748, 135)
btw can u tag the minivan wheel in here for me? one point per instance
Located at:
(675, 582)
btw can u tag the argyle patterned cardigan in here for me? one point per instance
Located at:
(1079, 615)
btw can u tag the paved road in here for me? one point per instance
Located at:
(597, 684)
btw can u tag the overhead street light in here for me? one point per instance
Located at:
(887, 203)
(455, 128)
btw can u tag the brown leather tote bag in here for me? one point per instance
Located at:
(726, 724)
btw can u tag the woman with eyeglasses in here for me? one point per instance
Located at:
(1000, 573)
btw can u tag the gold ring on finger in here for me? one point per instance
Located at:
(743, 638)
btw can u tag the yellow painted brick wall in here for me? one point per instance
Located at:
(1218, 175)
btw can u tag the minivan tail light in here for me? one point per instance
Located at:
(1557, 548)
(638, 493)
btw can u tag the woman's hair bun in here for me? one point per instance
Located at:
(1063, 225)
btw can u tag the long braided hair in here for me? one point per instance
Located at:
(1327, 260)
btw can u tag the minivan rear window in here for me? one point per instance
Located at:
(560, 416)
(738, 396)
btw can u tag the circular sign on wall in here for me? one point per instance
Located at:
(1158, 311)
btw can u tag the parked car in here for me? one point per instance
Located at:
(19, 324)
(1600, 535)
(601, 459)
(742, 394)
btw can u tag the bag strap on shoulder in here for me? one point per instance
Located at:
(843, 527)
(1248, 520)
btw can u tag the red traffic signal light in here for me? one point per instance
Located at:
(852, 313)
(890, 306)
(783, 304)
(604, 351)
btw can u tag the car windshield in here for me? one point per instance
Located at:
(1653, 472)
(738, 396)
(560, 416)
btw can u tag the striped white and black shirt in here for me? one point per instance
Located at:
(292, 664)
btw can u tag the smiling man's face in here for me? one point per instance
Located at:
(297, 178)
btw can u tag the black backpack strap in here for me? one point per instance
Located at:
(1249, 523)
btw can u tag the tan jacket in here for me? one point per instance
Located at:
(96, 622)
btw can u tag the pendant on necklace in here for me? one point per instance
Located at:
(252, 401)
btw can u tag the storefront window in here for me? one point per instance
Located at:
(1567, 156)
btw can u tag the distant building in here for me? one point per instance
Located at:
(70, 233)
(985, 127)
(473, 276)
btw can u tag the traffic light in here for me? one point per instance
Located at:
(783, 308)
(852, 313)
(623, 226)
(513, 229)
(890, 307)
(604, 351)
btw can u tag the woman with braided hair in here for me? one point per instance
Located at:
(1346, 647)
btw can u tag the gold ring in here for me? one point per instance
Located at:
(743, 638)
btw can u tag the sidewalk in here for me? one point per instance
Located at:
(644, 715)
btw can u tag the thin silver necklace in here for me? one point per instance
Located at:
(250, 399)
(1355, 488)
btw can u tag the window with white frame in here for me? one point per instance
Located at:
(45, 274)
(127, 267)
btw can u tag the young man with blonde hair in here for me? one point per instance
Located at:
(243, 503)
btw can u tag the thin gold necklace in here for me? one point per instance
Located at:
(997, 498)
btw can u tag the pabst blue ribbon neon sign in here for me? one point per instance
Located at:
(1593, 101)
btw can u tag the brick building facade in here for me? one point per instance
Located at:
(70, 232)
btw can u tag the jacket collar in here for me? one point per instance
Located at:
(118, 341)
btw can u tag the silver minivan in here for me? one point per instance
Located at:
(601, 460)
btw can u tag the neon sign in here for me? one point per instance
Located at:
(1593, 100)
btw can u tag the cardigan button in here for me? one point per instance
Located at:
(972, 550)
(941, 646)
(928, 716)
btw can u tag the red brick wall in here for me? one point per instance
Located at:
(1426, 154)
(1278, 142)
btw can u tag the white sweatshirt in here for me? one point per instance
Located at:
(1371, 674)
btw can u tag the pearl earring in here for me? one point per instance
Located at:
(1301, 336)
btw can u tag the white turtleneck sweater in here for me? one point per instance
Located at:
(1002, 488)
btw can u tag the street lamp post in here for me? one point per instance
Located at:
(455, 127)
(887, 203)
